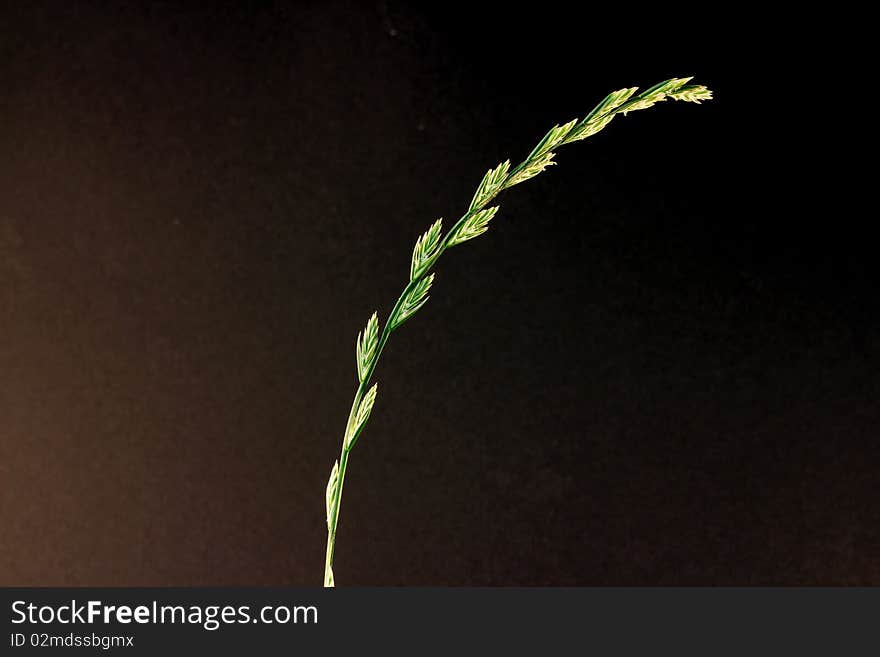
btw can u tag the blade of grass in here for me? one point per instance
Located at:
(473, 223)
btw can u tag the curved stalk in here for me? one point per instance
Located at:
(474, 222)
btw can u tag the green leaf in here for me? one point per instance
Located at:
(655, 94)
(666, 87)
(551, 140)
(476, 224)
(425, 250)
(612, 101)
(594, 126)
(490, 185)
(642, 102)
(361, 417)
(415, 299)
(367, 341)
(532, 169)
(601, 115)
(331, 489)
(692, 93)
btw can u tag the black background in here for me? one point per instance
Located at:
(660, 366)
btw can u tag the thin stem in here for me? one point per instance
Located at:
(386, 333)
(346, 447)
(336, 501)
(538, 160)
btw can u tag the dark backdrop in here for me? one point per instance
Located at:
(655, 368)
